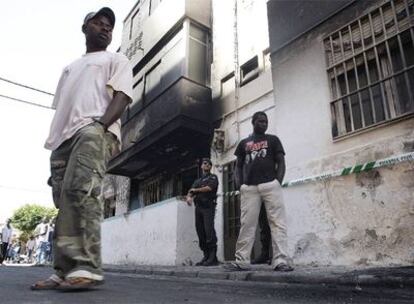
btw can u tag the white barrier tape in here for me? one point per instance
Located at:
(345, 171)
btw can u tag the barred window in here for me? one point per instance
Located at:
(370, 66)
(151, 191)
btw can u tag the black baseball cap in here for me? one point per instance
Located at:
(105, 11)
(207, 160)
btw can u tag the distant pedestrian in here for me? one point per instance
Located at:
(6, 237)
(30, 246)
(10, 252)
(91, 96)
(260, 170)
(41, 232)
(17, 250)
(204, 192)
(49, 249)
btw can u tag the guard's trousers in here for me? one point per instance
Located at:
(204, 221)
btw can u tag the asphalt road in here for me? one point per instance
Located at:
(123, 288)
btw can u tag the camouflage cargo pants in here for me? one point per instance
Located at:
(78, 167)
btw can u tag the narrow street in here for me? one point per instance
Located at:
(126, 288)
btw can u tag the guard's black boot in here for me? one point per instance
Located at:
(263, 258)
(212, 257)
(205, 257)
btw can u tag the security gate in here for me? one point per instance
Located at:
(231, 211)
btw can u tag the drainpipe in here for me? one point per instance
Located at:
(236, 70)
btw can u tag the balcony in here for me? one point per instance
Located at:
(164, 134)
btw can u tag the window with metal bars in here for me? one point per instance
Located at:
(151, 191)
(161, 187)
(370, 66)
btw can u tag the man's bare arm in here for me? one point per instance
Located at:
(115, 108)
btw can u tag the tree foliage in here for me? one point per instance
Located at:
(27, 217)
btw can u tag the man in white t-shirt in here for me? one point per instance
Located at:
(41, 232)
(30, 246)
(6, 236)
(49, 247)
(91, 96)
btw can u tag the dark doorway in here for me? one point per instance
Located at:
(231, 215)
(231, 211)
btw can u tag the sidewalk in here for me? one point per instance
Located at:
(394, 277)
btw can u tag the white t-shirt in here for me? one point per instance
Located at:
(42, 229)
(6, 234)
(84, 92)
(31, 244)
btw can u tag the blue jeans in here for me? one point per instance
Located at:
(42, 252)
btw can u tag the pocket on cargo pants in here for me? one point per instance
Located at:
(87, 175)
(81, 195)
(57, 169)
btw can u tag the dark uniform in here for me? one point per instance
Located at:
(204, 212)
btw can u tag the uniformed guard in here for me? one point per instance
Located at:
(204, 193)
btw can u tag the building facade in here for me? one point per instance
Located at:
(336, 80)
(165, 132)
(344, 84)
(195, 91)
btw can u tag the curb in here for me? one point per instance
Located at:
(346, 278)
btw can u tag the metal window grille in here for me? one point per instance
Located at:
(231, 211)
(370, 66)
(151, 191)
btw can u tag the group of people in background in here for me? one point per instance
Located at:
(37, 250)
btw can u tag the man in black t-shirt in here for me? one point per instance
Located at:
(260, 171)
(204, 192)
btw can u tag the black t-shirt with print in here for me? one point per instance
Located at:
(206, 199)
(258, 153)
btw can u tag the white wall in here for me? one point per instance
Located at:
(357, 219)
(160, 234)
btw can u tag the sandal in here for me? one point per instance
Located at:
(282, 267)
(78, 283)
(234, 266)
(51, 283)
